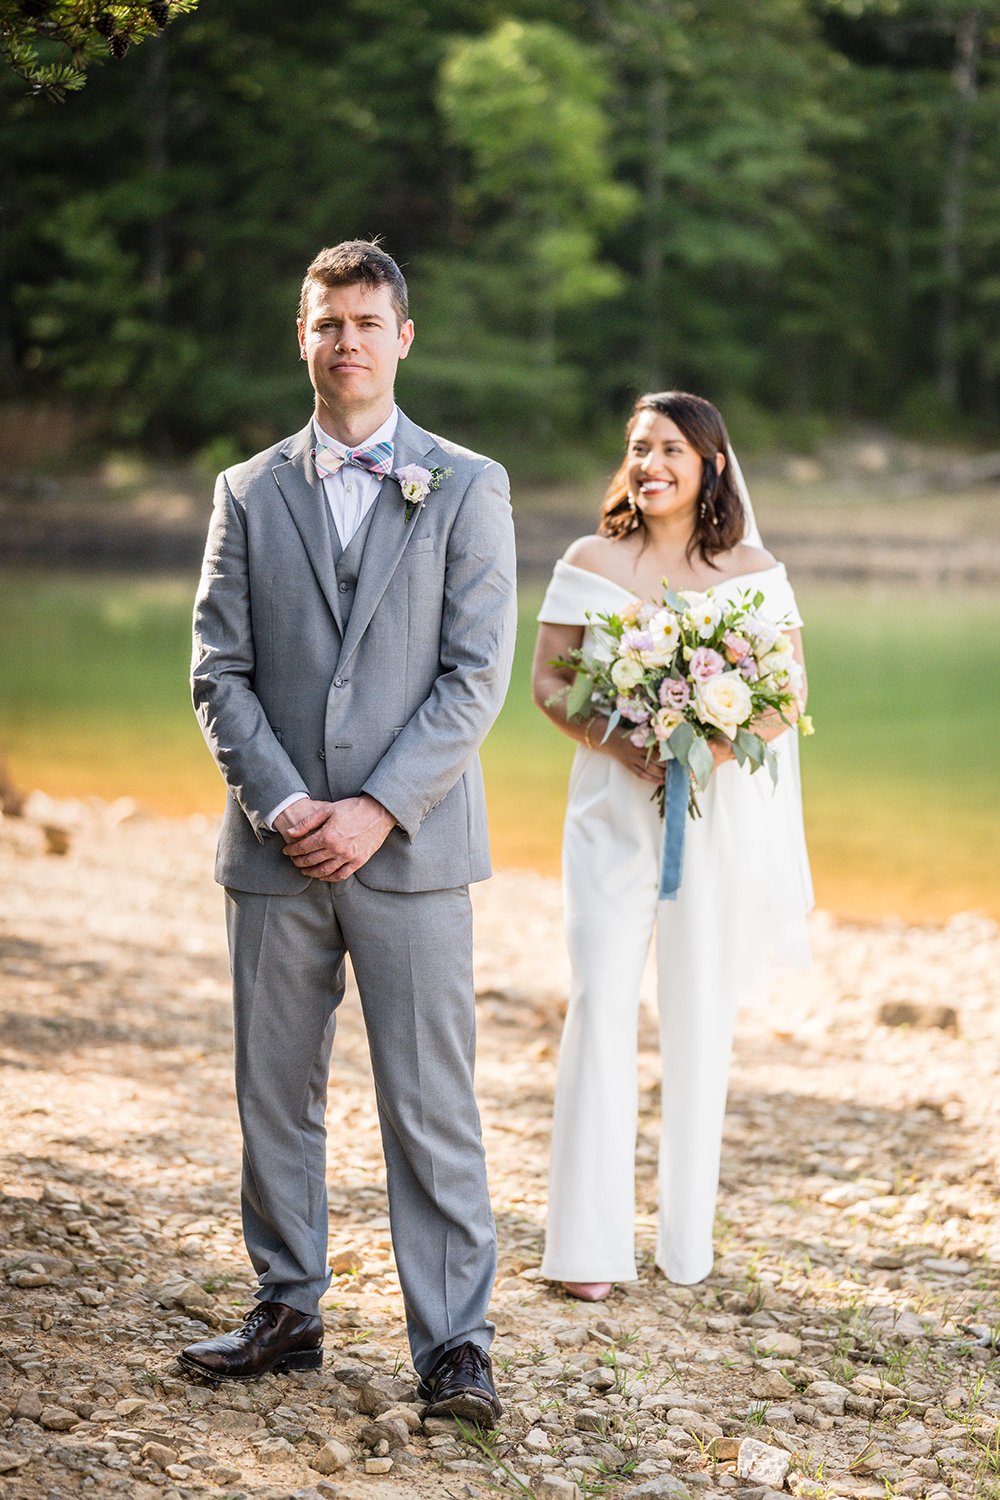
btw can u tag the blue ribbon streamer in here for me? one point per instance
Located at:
(674, 824)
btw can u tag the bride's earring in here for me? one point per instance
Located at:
(631, 502)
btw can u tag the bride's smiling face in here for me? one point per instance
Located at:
(664, 470)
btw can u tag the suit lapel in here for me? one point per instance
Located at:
(303, 494)
(387, 537)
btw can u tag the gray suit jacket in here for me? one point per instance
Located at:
(395, 701)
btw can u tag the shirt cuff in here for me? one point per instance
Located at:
(277, 811)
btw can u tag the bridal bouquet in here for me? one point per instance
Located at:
(681, 672)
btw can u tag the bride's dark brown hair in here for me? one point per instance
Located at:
(720, 520)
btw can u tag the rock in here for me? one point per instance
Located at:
(664, 1486)
(944, 1267)
(761, 1464)
(723, 1449)
(11, 1461)
(899, 1325)
(536, 1441)
(911, 1013)
(29, 1405)
(588, 1420)
(378, 1465)
(343, 1262)
(554, 1487)
(332, 1456)
(372, 1402)
(808, 1489)
(886, 1260)
(58, 1419)
(777, 1345)
(159, 1454)
(394, 1434)
(771, 1385)
(694, 1421)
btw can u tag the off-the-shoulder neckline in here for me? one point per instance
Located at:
(732, 578)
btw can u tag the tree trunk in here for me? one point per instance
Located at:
(968, 40)
(654, 184)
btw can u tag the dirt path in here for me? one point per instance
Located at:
(858, 1234)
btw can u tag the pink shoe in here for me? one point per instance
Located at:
(587, 1291)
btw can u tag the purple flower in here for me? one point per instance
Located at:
(748, 669)
(631, 709)
(675, 692)
(633, 641)
(705, 663)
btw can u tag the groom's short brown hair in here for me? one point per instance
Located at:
(354, 261)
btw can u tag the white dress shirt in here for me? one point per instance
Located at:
(350, 494)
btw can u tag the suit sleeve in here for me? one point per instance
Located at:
(431, 752)
(257, 770)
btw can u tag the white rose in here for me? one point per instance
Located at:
(723, 701)
(626, 674)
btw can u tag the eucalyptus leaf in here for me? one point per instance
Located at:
(579, 695)
(674, 600)
(701, 762)
(753, 747)
(613, 721)
(680, 742)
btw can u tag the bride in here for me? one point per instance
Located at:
(677, 510)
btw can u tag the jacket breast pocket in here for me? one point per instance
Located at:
(421, 544)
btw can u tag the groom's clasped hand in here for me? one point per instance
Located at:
(331, 840)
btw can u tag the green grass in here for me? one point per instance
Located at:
(902, 796)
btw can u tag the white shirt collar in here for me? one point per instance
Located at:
(384, 434)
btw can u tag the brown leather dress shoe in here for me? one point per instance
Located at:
(273, 1337)
(461, 1385)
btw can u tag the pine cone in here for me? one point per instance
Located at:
(104, 23)
(119, 43)
(159, 10)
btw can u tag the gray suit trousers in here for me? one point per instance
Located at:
(412, 957)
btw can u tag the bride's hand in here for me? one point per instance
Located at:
(722, 750)
(645, 764)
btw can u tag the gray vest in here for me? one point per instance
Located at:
(347, 560)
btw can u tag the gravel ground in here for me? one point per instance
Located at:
(845, 1345)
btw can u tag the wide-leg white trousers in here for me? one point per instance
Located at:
(710, 947)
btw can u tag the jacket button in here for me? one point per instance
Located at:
(338, 682)
(322, 754)
(345, 588)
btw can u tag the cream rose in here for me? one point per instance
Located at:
(723, 701)
(626, 674)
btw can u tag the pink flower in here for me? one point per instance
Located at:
(631, 709)
(674, 692)
(638, 738)
(736, 647)
(705, 663)
(748, 669)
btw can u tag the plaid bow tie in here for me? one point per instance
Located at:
(376, 459)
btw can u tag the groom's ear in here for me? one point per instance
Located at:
(406, 332)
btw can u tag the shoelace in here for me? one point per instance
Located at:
(468, 1361)
(262, 1313)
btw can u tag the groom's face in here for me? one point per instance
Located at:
(352, 343)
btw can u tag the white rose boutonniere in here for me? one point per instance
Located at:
(416, 483)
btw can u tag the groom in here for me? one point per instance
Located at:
(353, 636)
